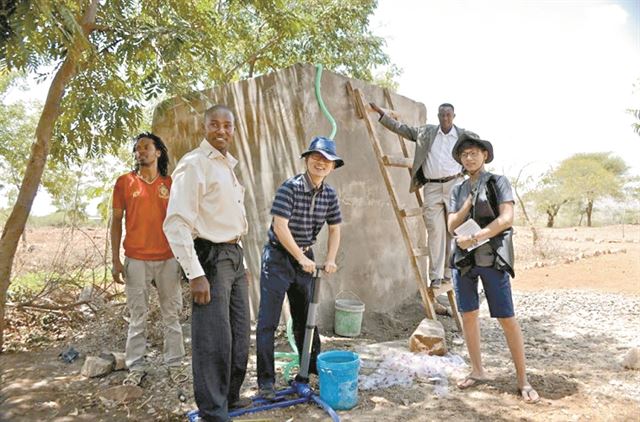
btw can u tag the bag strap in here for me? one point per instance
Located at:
(492, 195)
(484, 180)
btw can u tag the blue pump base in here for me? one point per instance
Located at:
(304, 393)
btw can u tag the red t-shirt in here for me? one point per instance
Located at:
(145, 207)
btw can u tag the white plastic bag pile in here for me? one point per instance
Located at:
(395, 367)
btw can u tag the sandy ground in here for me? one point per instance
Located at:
(577, 298)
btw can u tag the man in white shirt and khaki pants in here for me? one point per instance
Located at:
(436, 170)
(205, 220)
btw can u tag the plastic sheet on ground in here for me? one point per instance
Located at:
(401, 367)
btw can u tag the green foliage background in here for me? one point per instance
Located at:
(144, 51)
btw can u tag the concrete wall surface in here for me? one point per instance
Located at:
(276, 116)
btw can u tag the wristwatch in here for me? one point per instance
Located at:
(474, 239)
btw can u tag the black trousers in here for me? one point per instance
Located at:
(220, 331)
(281, 275)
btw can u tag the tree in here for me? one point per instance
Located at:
(635, 125)
(591, 176)
(71, 185)
(387, 78)
(549, 195)
(518, 183)
(17, 124)
(635, 112)
(112, 57)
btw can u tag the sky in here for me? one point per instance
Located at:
(542, 80)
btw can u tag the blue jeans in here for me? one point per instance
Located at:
(281, 274)
(497, 289)
(220, 331)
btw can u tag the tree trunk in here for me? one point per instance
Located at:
(534, 232)
(550, 218)
(24, 232)
(588, 211)
(15, 224)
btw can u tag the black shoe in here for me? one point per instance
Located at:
(301, 379)
(267, 392)
(240, 403)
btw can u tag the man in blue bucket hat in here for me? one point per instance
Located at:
(302, 205)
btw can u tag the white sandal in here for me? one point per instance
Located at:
(134, 378)
(177, 374)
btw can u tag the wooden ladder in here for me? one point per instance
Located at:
(402, 214)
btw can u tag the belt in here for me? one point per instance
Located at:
(201, 244)
(444, 179)
(234, 241)
(276, 245)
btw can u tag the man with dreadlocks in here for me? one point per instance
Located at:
(142, 196)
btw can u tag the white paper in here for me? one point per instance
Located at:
(469, 228)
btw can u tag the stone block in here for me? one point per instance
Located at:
(95, 366)
(632, 359)
(428, 337)
(117, 359)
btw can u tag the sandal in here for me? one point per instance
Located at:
(134, 378)
(177, 375)
(525, 393)
(471, 381)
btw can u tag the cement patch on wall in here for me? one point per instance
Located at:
(276, 117)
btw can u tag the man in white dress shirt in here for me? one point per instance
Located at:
(436, 170)
(205, 221)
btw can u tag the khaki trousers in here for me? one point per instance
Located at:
(166, 277)
(437, 197)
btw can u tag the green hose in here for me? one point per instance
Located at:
(291, 359)
(334, 126)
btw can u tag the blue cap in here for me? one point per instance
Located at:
(326, 147)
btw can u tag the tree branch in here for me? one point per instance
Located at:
(252, 58)
(49, 307)
(88, 22)
(534, 232)
(100, 28)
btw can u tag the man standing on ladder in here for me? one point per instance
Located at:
(436, 170)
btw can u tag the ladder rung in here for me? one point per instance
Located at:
(397, 161)
(444, 288)
(421, 251)
(411, 212)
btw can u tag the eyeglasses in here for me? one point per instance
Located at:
(316, 156)
(470, 154)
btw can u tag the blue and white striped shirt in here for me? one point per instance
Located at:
(306, 208)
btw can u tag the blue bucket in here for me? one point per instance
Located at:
(338, 373)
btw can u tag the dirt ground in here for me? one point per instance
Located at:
(577, 298)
